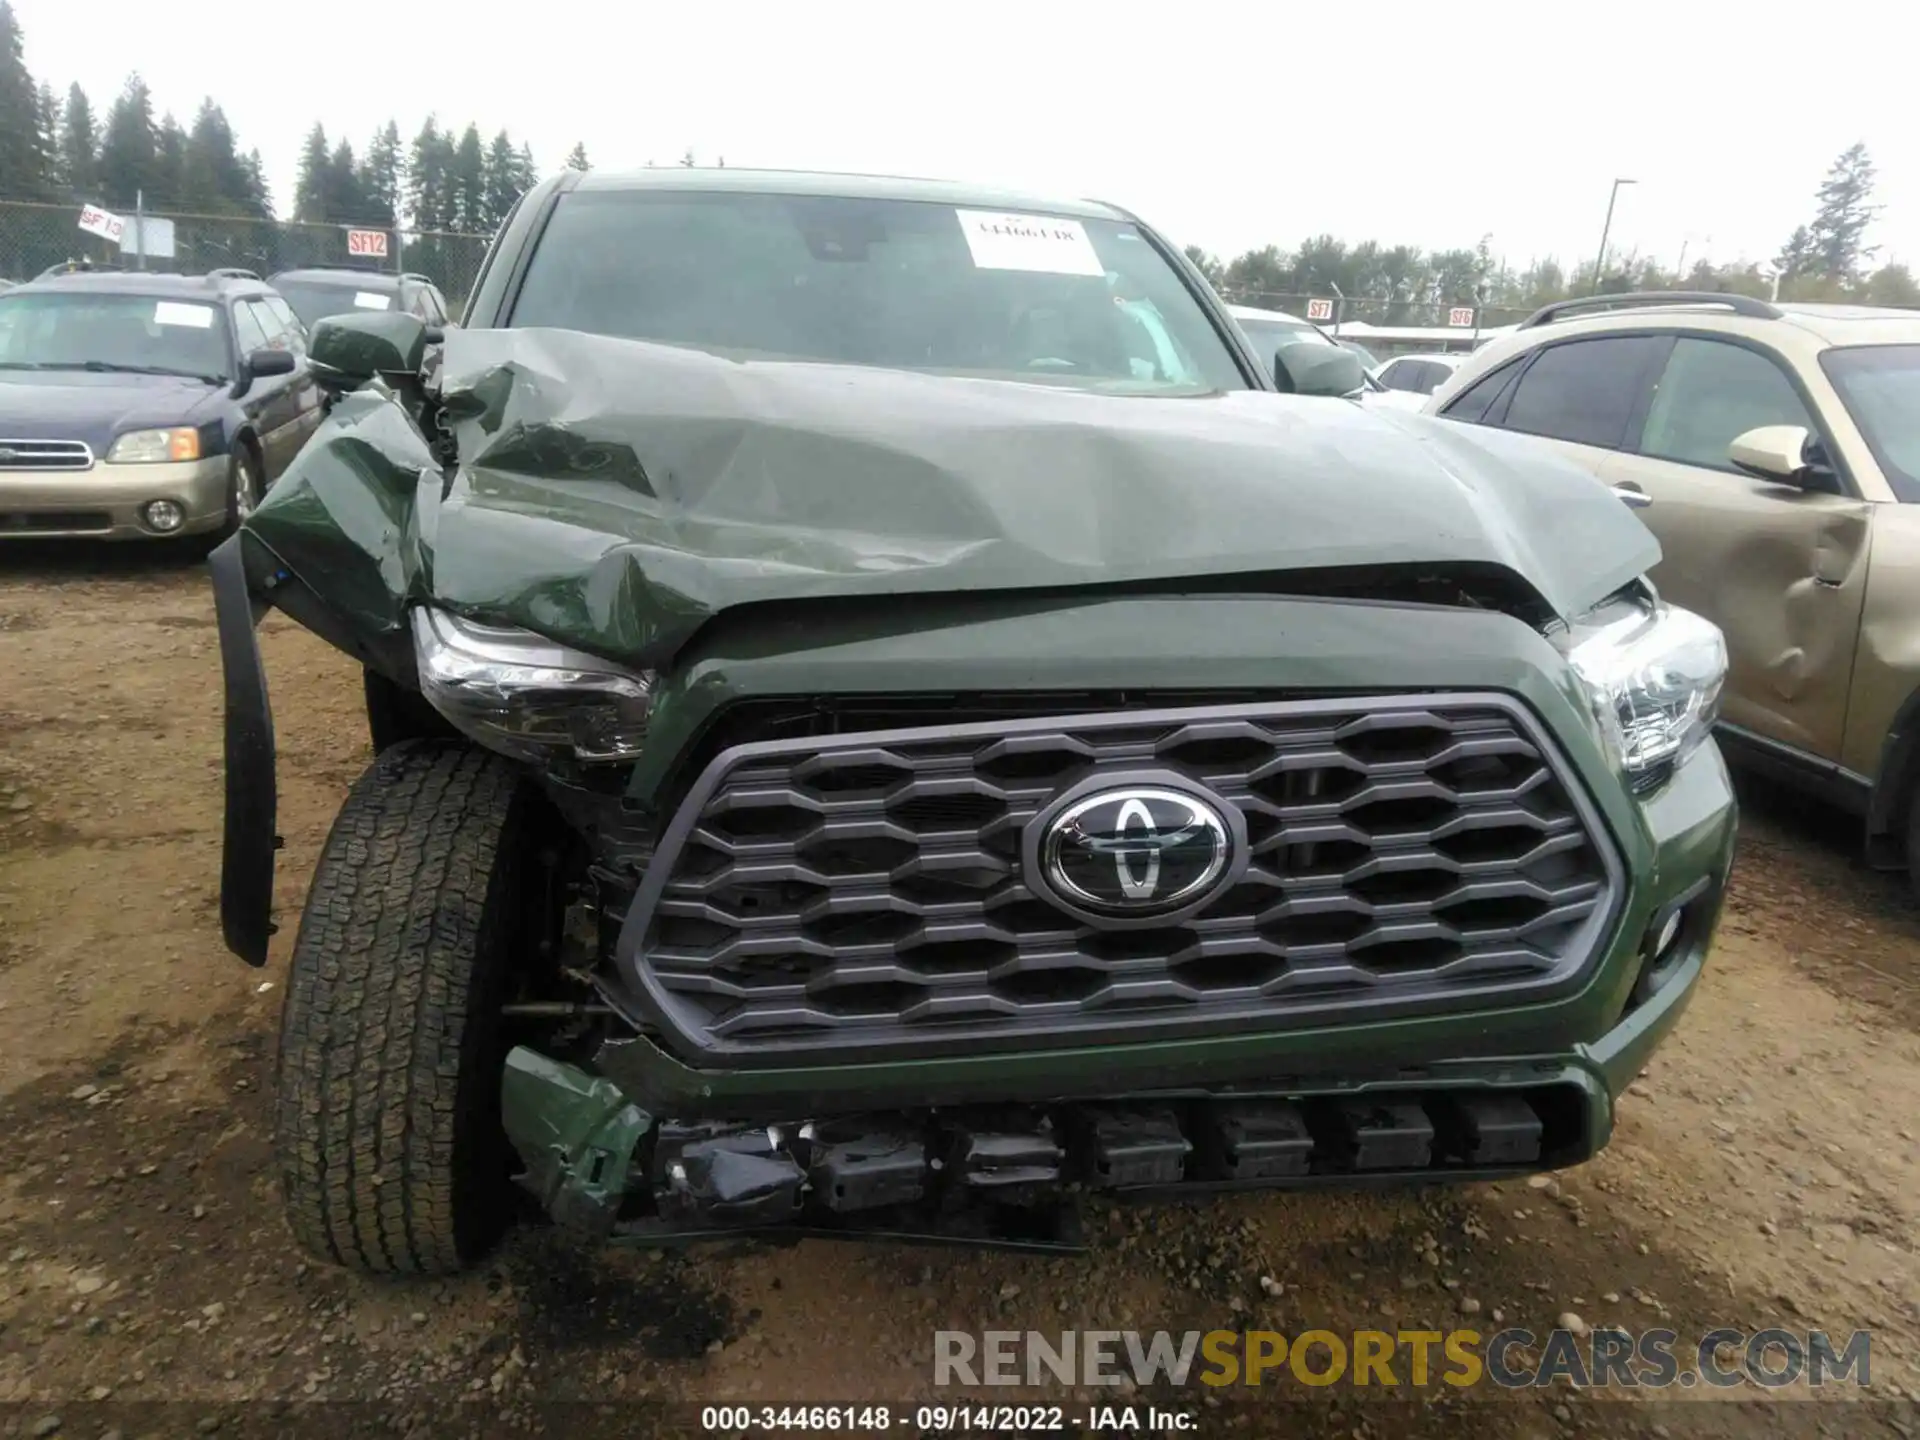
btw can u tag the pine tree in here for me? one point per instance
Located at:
(169, 165)
(257, 198)
(129, 156)
(214, 179)
(577, 158)
(47, 143)
(429, 199)
(1839, 227)
(501, 171)
(469, 177)
(23, 167)
(344, 203)
(79, 145)
(310, 187)
(379, 178)
(1799, 257)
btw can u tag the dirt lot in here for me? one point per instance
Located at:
(1764, 1173)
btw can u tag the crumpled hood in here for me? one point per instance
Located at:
(69, 405)
(616, 495)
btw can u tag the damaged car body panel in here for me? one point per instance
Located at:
(616, 496)
(949, 790)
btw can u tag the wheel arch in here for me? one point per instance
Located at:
(1893, 786)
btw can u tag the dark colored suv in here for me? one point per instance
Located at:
(140, 406)
(324, 291)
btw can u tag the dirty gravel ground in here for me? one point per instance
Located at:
(1764, 1171)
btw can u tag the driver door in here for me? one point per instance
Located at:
(1779, 568)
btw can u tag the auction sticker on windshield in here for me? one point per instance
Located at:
(1029, 242)
(193, 317)
(367, 300)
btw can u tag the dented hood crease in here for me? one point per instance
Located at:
(616, 495)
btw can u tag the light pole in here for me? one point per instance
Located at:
(1600, 264)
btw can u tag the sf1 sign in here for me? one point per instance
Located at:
(1460, 315)
(371, 243)
(103, 223)
(1319, 309)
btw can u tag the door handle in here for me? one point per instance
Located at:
(1632, 496)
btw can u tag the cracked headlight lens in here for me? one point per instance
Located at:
(1653, 674)
(527, 696)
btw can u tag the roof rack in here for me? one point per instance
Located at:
(232, 272)
(1738, 304)
(79, 267)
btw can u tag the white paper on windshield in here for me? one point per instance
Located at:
(193, 317)
(1029, 242)
(367, 300)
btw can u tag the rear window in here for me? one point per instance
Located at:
(1880, 386)
(315, 300)
(903, 284)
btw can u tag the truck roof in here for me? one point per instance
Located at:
(871, 187)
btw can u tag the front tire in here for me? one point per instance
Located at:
(243, 488)
(390, 1147)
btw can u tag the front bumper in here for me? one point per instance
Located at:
(107, 502)
(1565, 1054)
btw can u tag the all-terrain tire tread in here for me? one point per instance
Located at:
(393, 972)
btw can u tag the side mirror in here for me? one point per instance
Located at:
(1789, 454)
(1306, 368)
(262, 363)
(346, 351)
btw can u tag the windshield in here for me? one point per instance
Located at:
(67, 330)
(1880, 385)
(904, 284)
(315, 300)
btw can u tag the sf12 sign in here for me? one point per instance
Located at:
(372, 243)
(1319, 309)
(1460, 315)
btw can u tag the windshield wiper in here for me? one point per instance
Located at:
(110, 367)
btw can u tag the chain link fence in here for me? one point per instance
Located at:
(1377, 310)
(34, 237)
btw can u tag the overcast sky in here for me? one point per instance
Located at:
(1227, 125)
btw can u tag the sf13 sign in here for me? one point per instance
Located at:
(1460, 315)
(1319, 309)
(367, 242)
(103, 223)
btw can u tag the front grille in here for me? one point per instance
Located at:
(865, 891)
(45, 455)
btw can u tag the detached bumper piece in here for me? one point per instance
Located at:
(1004, 1177)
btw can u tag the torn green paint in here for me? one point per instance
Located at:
(577, 1135)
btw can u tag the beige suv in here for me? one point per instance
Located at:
(1774, 449)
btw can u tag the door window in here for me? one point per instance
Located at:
(1585, 391)
(247, 331)
(1712, 392)
(292, 335)
(1473, 404)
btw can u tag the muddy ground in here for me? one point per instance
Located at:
(1763, 1173)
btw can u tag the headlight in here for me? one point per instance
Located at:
(527, 696)
(153, 447)
(1653, 675)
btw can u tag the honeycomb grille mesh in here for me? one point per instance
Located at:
(865, 891)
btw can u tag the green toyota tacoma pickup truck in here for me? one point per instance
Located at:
(885, 722)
